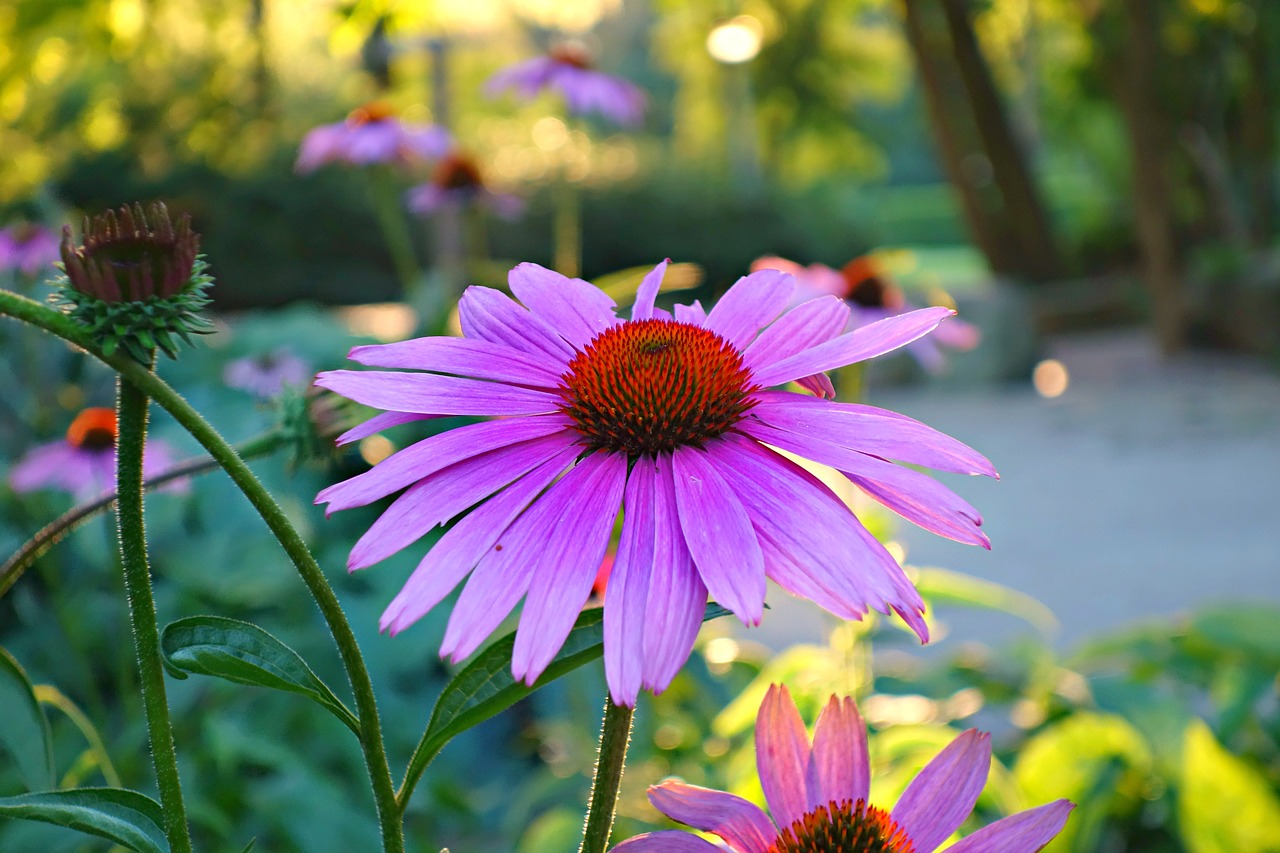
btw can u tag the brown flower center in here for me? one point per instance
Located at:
(845, 827)
(457, 172)
(93, 429)
(650, 386)
(372, 112)
(571, 54)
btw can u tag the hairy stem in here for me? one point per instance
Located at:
(615, 736)
(131, 421)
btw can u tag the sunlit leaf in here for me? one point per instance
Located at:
(24, 732)
(622, 285)
(244, 653)
(943, 586)
(1224, 804)
(125, 817)
(1247, 629)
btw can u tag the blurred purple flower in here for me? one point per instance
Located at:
(265, 375)
(667, 413)
(871, 296)
(28, 248)
(567, 69)
(371, 134)
(456, 181)
(818, 796)
(84, 463)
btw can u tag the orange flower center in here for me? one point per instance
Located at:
(845, 827)
(93, 429)
(571, 54)
(654, 385)
(371, 112)
(457, 172)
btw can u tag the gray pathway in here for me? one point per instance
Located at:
(1146, 489)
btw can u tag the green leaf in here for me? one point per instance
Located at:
(1224, 803)
(486, 687)
(1248, 629)
(948, 587)
(24, 732)
(244, 653)
(125, 817)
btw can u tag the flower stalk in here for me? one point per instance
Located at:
(615, 737)
(131, 416)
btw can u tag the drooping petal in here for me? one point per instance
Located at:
(493, 316)
(433, 454)
(647, 293)
(862, 343)
(752, 303)
(430, 394)
(839, 768)
(1029, 830)
(379, 422)
(435, 499)
(719, 536)
(915, 496)
(694, 315)
(782, 756)
(473, 357)
(741, 824)
(628, 589)
(575, 519)
(943, 794)
(578, 311)
(845, 569)
(464, 544)
(819, 384)
(807, 325)
(667, 841)
(677, 595)
(868, 430)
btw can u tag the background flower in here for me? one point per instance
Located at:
(818, 792)
(371, 134)
(665, 414)
(266, 374)
(871, 296)
(457, 181)
(84, 463)
(567, 69)
(28, 248)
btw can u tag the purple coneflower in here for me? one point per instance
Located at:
(456, 181)
(265, 375)
(872, 296)
(667, 415)
(27, 248)
(567, 69)
(84, 463)
(371, 134)
(818, 796)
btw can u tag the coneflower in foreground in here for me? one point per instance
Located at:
(666, 418)
(818, 795)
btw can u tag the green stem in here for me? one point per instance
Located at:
(615, 735)
(51, 533)
(386, 204)
(131, 423)
(851, 382)
(568, 229)
(361, 687)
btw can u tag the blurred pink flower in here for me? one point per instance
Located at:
(667, 413)
(28, 248)
(567, 69)
(266, 375)
(371, 134)
(84, 463)
(872, 296)
(457, 181)
(817, 793)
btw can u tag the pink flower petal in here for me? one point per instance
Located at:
(642, 309)
(939, 799)
(578, 311)
(628, 588)
(694, 315)
(464, 544)
(430, 394)
(741, 824)
(1030, 830)
(839, 769)
(667, 841)
(860, 344)
(491, 315)
(782, 756)
(752, 303)
(379, 422)
(718, 533)
(803, 327)
(478, 359)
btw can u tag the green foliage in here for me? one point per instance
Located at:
(25, 734)
(125, 817)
